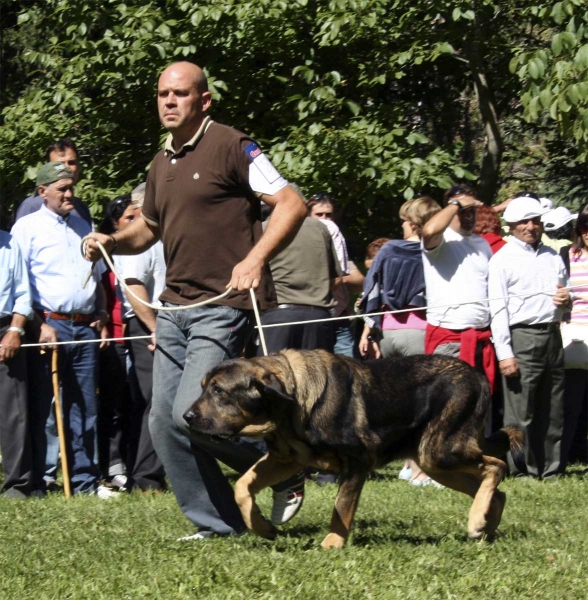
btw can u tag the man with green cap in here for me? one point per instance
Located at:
(49, 240)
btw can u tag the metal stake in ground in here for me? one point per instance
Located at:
(60, 429)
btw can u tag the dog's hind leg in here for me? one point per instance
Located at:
(480, 482)
(265, 472)
(345, 507)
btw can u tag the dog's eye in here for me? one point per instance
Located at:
(217, 391)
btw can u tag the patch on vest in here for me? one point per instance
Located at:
(264, 178)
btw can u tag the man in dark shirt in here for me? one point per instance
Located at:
(203, 200)
(64, 151)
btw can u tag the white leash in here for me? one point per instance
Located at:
(130, 292)
(171, 308)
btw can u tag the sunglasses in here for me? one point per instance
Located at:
(322, 197)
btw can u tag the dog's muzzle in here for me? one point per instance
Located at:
(189, 416)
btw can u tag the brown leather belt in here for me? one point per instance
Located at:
(74, 317)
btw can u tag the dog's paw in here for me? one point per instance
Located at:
(264, 529)
(495, 512)
(333, 541)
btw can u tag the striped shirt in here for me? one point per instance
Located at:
(50, 245)
(579, 281)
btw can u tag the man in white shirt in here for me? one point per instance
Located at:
(455, 262)
(526, 335)
(144, 274)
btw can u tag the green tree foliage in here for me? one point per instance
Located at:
(374, 100)
(553, 68)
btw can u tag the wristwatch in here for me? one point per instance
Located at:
(456, 202)
(20, 330)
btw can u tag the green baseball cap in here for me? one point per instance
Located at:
(53, 171)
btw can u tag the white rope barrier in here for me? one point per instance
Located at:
(259, 326)
(415, 308)
(131, 293)
(96, 341)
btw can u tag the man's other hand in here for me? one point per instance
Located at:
(9, 345)
(509, 367)
(92, 251)
(246, 275)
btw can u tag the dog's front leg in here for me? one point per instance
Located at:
(265, 472)
(345, 507)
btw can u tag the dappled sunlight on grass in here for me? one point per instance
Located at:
(407, 542)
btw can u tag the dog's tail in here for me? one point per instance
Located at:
(508, 438)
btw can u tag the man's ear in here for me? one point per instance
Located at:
(41, 190)
(273, 389)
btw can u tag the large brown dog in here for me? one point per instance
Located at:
(348, 417)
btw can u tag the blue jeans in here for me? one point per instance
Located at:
(77, 375)
(189, 344)
(345, 342)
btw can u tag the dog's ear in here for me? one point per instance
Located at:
(272, 388)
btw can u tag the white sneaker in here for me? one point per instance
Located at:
(405, 473)
(204, 535)
(105, 492)
(426, 482)
(120, 481)
(200, 535)
(288, 502)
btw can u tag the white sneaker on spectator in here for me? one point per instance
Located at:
(105, 491)
(405, 473)
(288, 502)
(120, 481)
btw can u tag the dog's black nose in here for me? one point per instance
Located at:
(189, 416)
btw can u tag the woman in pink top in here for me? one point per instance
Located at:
(396, 282)
(575, 341)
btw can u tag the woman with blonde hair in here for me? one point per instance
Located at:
(396, 282)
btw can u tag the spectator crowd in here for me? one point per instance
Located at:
(504, 288)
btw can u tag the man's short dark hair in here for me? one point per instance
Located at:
(60, 146)
(459, 189)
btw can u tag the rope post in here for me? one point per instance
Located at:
(60, 428)
(258, 321)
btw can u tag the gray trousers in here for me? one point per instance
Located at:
(402, 342)
(534, 400)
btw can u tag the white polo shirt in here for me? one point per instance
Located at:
(456, 271)
(148, 268)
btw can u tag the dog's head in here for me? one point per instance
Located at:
(239, 397)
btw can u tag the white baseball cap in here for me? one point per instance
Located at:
(556, 218)
(546, 203)
(521, 209)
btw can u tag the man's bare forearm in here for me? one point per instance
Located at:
(136, 238)
(145, 314)
(287, 217)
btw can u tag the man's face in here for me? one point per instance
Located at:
(322, 210)
(58, 196)
(528, 231)
(181, 105)
(464, 221)
(70, 159)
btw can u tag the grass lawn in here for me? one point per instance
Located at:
(407, 543)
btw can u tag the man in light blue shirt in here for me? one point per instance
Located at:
(15, 307)
(50, 242)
